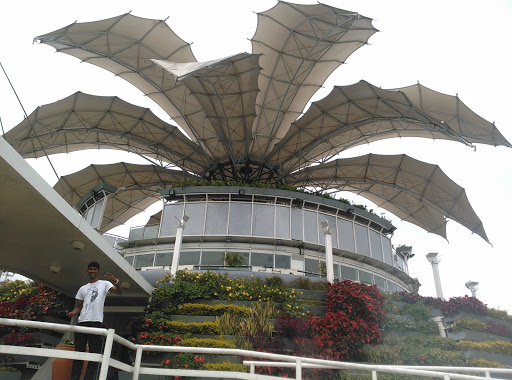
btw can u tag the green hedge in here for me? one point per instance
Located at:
(225, 366)
(469, 324)
(211, 343)
(202, 328)
(218, 309)
(504, 348)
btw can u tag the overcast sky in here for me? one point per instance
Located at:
(454, 47)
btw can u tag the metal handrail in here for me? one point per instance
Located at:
(136, 369)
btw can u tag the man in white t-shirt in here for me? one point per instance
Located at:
(90, 300)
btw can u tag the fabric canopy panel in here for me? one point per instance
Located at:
(413, 190)
(301, 45)
(362, 113)
(241, 113)
(137, 188)
(226, 90)
(83, 121)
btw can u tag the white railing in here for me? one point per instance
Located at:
(446, 373)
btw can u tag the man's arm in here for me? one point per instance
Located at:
(77, 309)
(117, 288)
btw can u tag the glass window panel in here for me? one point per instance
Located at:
(262, 259)
(388, 256)
(90, 214)
(240, 219)
(310, 227)
(189, 258)
(163, 258)
(283, 222)
(337, 270)
(212, 258)
(375, 244)
(296, 223)
(136, 233)
(346, 235)
(144, 260)
(263, 220)
(151, 232)
(380, 282)
(391, 286)
(245, 255)
(129, 259)
(98, 207)
(283, 201)
(196, 222)
(348, 273)
(169, 222)
(362, 244)
(216, 219)
(283, 262)
(311, 265)
(400, 262)
(399, 289)
(366, 277)
(332, 223)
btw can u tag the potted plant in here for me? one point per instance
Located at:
(234, 259)
(61, 368)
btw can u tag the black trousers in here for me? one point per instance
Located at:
(95, 343)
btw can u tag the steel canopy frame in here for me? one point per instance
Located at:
(241, 112)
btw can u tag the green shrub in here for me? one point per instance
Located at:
(217, 309)
(253, 332)
(499, 347)
(193, 285)
(500, 314)
(383, 355)
(419, 349)
(202, 328)
(213, 343)
(225, 366)
(469, 324)
(485, 363)
(417, 310)
(306, 284)
(8, 369)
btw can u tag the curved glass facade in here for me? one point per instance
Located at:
(273, 233)
(258, 216)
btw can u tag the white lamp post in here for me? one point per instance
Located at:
(434, 260)
(473, 286)
(177, 244)
(329, 265)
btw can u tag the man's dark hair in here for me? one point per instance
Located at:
(94, 264)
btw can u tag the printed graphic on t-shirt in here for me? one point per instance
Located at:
(90, 301)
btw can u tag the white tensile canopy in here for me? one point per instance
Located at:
(241, 113)
(136, 188)
(413, 190)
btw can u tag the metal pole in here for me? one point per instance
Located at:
(434, 260)
(298, 369)
(177, 245)
(136, 365)
(329, 265)
(105, 361)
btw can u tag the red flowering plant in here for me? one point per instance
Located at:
(184, 360)
(353, 315)
(157, 339)
(466, 304)
(406, 297)
(497, 329)
(32, 301)
(15, 338)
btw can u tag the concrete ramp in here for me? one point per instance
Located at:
(40, 236)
